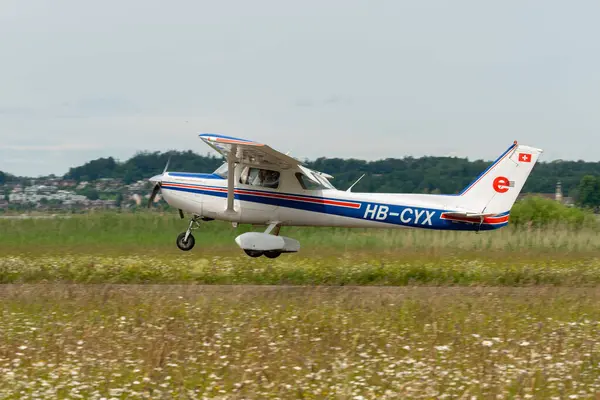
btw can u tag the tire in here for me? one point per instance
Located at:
(253, 253)
(272, 254)
(185, 245)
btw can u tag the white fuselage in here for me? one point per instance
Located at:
(289, 204)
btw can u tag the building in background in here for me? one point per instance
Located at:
(557, 196)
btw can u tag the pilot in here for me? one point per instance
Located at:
(271, 179)
(259, 179)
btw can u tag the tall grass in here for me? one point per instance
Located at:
(155, 232)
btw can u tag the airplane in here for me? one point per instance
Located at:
(261, 186)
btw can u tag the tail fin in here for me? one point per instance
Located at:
(496, 189)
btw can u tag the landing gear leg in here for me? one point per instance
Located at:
(185, 240)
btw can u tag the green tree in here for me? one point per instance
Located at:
(90, 193)
(400, 175)
(540, 211)
(96, 169)
(589, 191)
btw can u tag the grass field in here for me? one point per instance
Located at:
(131, 233)
(111, 341)
(500, 315)
(139, 248)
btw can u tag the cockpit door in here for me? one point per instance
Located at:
(258, 188)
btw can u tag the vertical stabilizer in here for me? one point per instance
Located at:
(496, 189)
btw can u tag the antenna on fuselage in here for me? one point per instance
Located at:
(358, 180)
(168, 162)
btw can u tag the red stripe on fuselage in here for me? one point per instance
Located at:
(269, 194)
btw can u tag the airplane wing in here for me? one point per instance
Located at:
(237, 150)
(248, 151)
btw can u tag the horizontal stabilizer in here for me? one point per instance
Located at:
(475, 218)
(466, 214)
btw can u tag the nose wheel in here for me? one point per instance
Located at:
(183, 244)
(185, 240)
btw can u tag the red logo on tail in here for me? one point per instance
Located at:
(501, 184)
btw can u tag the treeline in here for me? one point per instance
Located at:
(424, 174)
(143, 166)
(417, 175)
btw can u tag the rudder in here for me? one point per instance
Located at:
(497, 188)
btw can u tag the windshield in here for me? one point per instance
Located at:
(317, 178)
(312, 184)
(323, 180)
(222, 171)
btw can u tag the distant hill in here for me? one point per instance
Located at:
(424, 174)
(5, 178)
(143, 166)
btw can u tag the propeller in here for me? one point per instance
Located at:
(155, 191)
(158, 182)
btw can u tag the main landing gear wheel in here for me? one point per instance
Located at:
(272, 254)
(253, 253)
(185, 245)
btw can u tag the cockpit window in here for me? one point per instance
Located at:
(309, 184)
(323, 180)
(260, 177)
(222, 171)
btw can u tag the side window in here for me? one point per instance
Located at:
(306, 183)
(260, 177)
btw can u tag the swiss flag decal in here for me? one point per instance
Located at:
(524, 157)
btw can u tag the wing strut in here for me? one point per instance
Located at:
(230, 180)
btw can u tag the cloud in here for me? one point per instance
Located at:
(328, 101)
(28, 161)
(56, 147)
(18, 111)
(337, 99)
(304, 103)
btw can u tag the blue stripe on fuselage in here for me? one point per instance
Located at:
(419, 217)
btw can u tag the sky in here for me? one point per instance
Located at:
(338, 78)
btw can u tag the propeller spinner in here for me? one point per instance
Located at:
(157, 180)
